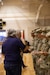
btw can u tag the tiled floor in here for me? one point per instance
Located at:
(29, 70)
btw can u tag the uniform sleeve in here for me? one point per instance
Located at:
(21, 45)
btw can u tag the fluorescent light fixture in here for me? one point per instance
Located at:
(1, 2)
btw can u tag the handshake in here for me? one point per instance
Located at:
(39, 52)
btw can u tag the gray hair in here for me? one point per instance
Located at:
(18, 34)
(11, 32)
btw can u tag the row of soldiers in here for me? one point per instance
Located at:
(41, 51)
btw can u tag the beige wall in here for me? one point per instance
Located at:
(21, 15)
(17, 18)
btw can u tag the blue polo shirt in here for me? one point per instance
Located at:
(11, 49)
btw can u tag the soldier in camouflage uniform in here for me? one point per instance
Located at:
(36, 47)
(35, 43)
(48, 57)
(43, 67)
(40, 40)
(43, 62)
(35, 40)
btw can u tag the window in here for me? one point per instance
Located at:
(2, 35)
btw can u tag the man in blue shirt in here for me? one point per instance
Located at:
(11, 50)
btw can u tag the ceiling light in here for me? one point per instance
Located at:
(1, 2)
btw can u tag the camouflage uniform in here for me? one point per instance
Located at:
(43, 66)
(48, 57)
(38, 56)
(37, 44)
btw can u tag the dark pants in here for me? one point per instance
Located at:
(13, 69)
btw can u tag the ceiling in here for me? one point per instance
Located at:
(29, 5)
(39, 8)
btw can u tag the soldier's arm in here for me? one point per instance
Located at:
(39, 52)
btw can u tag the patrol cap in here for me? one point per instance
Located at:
(39, 30)
(48, 34)
(34, 30)
(44, 32)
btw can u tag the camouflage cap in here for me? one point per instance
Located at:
(38, 31)
(48, 34)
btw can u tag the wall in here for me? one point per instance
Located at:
(17, 18)
(21, 15)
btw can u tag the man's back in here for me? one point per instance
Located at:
(11, 49)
